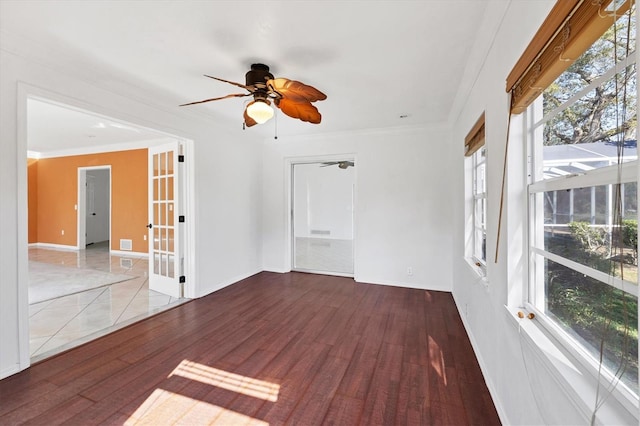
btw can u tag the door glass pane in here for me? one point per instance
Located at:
(170, 162)
(170, 188)
(163, 163)
(323, 216)
(156, 191)
(156, 164)
(163, 188)
(170, 239)
(156, 213)
(171, 266)
(156, 239)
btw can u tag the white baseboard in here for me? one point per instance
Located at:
(129, 253)
(54, 246)
(275, 270)
(226, 283)
(9, 371)
(359, 279)
(502, 414)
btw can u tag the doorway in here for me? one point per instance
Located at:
(322, 217)
(94, 206)
(111, 286)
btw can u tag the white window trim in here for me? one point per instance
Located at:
(573, 376)
(544, 334)
(476, 197)
(477, 265)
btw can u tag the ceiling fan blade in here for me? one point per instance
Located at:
(295, 90)
(244, 86)
(235, 95)
(248, 121)
(302, 110)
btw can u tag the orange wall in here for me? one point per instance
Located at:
(32, 180)
(57, 188)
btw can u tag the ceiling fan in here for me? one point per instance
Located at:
(341, 164)
(292, 97)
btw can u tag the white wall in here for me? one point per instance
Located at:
(323, 201)
(526, 389)
(402, 203)
(226, 167)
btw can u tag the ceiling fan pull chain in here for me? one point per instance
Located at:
(275, 122)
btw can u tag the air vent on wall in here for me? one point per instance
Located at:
(126, 245)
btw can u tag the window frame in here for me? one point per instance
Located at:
(479, 200)
(537, 185)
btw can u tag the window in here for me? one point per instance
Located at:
(476, 150)
(583, 203)
(479, 206)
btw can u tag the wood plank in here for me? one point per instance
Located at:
(314, 403)
(380, 405)
(294, 384)
(61, 414)
(343, 411)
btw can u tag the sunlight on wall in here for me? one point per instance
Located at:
(226, 380)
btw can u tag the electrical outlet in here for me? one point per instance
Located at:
(62, 232)
(409, 271)
(144, 237)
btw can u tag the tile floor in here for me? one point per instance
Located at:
(324, 255)
(59, 324)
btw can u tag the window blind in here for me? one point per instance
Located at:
(475, 138)
(571, 27)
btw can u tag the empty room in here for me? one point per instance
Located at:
(319, 212)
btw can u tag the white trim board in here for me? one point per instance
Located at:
(124, 253)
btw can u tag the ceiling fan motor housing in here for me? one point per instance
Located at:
(258, 76)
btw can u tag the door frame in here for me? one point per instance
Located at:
(289, 189)
(81, 207)
(25, 92)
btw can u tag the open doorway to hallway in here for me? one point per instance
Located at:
(322, 217)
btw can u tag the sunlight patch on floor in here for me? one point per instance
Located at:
(437, 360)
(175, 406)
(227, 380)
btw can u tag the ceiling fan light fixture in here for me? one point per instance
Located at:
(260, 111)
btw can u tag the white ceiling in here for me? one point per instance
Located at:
(53, 129)
(375, 60)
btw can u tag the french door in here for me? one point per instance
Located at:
(165, 248)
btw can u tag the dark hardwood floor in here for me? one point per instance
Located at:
(291, 348)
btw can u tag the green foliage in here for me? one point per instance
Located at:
(630, 236)
(589, 309)
(590, 238)
(596, 115)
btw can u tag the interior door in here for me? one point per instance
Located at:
(90, 210)
(164, 234)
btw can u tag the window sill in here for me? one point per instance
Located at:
(572, 377)
(480, 271)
